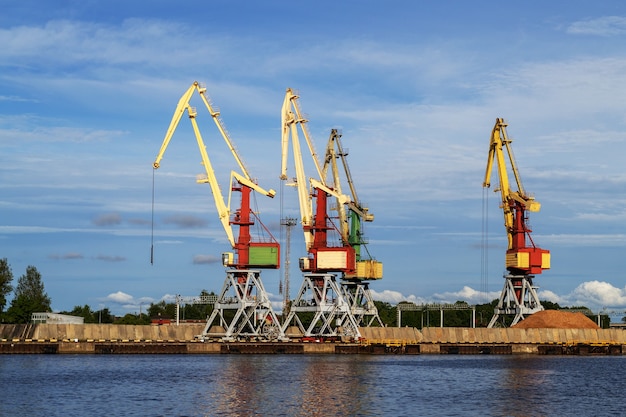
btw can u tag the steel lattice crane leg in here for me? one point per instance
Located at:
(361, 303)
(243, 310)
(518, 299)
(321, 296)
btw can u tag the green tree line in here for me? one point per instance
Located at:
(158, 310)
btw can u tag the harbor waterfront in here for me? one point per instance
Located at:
(311, 385)
(111, 338)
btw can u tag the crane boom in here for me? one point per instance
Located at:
(334, 152)
(291, 118)
(521, 259)
(290, 130)
(242, 244)
(315, 220)
(183, 104)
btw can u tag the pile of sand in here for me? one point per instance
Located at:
(554, 319)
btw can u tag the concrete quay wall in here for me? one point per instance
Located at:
(97, 332)
(406, 335)
(373, 335)
(521, 336)
(169, 332)
(438, 335)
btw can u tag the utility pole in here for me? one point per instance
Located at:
(289, 222)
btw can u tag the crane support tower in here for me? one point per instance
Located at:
(288, 222)
(523, 258)
(242, 309)
(336, 311)
(355, 285)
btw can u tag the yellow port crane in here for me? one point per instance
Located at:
(336, 308)
(523, 258)
(243, 308)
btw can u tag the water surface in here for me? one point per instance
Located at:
(311, 385)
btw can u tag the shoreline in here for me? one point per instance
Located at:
(172, 339)
(198, 347)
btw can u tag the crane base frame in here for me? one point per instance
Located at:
(361, 303)
(518, 299)
(321, 295)
(243, 310)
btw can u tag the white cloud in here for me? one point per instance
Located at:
(394, 297)
(596, 295)
(602, 26)
(86, 41)
(121, 303)
(600, 294)
(50, 134)
(468, 295)
(16, 99)
(583, 240)
(119, 298)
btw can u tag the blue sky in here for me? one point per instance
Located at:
(87, 90)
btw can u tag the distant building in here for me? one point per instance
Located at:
(54, 318)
